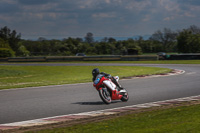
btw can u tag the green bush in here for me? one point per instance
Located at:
(6, 52)
(22, 51)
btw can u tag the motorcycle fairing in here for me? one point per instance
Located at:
(105, 82)
(109, 84)
(115, 93)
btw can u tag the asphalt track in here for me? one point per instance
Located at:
(40, 102)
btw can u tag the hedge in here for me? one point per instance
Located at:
(6, 52)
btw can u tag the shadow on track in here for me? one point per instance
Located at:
(94, 103)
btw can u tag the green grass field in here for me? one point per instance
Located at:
(134, 62)
(183, 119)
(29, 76)
(145, 62)
(164, 62)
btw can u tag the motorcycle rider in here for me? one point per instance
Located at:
(97, 75)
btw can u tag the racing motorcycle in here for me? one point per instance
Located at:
(108, 91)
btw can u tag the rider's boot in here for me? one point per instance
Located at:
(120, 87)
(116, 83)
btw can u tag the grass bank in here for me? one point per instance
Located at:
(29, 76)
(144, 62)
(134, 62)
(164, 62)
(178, 120)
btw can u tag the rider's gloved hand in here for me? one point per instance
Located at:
(109, 76)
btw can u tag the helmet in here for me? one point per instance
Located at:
(95, 72)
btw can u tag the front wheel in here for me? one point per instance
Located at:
(105, 96)
(125, 96)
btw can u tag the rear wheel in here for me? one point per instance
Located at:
(105, 96)
(125, 96)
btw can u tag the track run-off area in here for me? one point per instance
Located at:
(25, 104)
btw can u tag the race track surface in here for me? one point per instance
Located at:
(40, 102)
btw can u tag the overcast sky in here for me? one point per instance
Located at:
(57, 19)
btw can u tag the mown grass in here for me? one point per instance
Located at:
(134, 62)
(175, 120)
(165, 62)
(29, 76)
(144, 62)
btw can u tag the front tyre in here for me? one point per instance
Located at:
(105, 96)
(125, 97)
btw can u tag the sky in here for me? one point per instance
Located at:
(57, 19)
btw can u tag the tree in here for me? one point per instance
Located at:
(40, 39)
(89, 38)
(4, 44)
(23, 51)
(167, 38)
(194, 29)
(130, 47)
(111, 40)
(105, 39)
(149, 46)
(11, 36)
(187, 42)
(104, 48)
(6, 52)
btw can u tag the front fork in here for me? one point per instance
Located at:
(106, 91)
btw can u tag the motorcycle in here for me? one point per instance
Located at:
(108, 91)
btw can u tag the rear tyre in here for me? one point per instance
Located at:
(125, 97)
(105, 96)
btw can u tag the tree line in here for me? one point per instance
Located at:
(166, 40)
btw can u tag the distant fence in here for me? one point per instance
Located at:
(80, 58)
(103, 58)
(182, 57)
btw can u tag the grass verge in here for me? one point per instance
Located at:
(163, 62)
(144, 62)
(133, 62)
(30, 76)
(179, 119)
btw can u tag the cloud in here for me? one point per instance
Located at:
(104, 15)
(138, 5)
(109, 17)
(168, 18)
(189, 2)
(170, 6)
(8, 7)
(34, 2)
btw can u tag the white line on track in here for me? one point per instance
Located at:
(43, 121)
